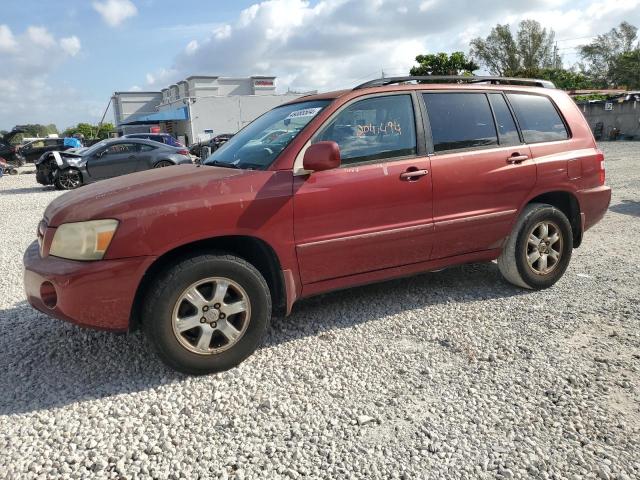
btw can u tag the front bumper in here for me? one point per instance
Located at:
(594, 203)
(90, 294)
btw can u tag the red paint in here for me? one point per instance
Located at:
(332, 229)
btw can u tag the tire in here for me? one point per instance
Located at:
(515, 260)
(163, 163)
(170, 320)
(68, 179)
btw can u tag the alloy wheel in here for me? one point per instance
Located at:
(69, 179)
(162, 164)
(544, 247)
(211, 315)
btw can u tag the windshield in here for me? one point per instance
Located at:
(258, 144)
(94, 148)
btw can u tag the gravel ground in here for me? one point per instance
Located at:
(453, 374)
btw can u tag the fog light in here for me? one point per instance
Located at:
(48, 294)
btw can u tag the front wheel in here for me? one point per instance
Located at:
(163, 163)
(207, 313)
(538, 250)
(68, 179)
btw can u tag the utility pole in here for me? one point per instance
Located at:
(555, 55)
(103, 115)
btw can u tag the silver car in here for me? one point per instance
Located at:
(109, 158)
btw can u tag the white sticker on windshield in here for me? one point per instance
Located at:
(305, 112)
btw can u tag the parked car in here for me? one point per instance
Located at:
(385, 180)
(156, 137)
(33, 150)
(213, 144)
(10, 152)
(107, 159)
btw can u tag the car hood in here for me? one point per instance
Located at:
(144, 192)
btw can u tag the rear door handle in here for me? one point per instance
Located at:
(413, 174)
(517, 158)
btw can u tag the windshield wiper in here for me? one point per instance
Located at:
(218, 163)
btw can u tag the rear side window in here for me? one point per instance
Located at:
(373, 128)
(539, 120)
(507, 130)
(460, 120)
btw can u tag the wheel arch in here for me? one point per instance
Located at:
(252, 249)
(568, 204)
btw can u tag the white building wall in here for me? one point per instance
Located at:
(230, 114)
(126, 104)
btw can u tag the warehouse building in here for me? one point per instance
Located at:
(198, 107)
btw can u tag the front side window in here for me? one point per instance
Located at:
(539, 120)
(258, 144)
(460, 120)
(119, 148)
(373, 128)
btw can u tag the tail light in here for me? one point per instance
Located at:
(601, 172)
(183, 152)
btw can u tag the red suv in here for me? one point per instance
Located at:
(389, 179)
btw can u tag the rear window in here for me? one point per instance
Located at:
(460, 120)
(539, 120)
(507, 130)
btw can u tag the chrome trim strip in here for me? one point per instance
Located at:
(473, 218)
(428, 226)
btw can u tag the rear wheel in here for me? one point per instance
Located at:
(68, 179)
(539, 249)
(163, 163)
(207, 313)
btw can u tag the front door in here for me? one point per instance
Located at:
(375, 211)
(118, 159)
(481, 171)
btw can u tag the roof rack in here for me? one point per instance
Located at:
(532, 82)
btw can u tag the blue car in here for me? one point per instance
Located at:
(157, 137)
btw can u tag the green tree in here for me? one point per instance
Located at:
(626, 69)
(104, 130)
(601, 55)
(442, 64)
(531, 50)
(90, 131)
(565, 79)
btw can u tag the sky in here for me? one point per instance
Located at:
(60, 61)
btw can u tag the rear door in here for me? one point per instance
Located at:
(375, 211)
(482, 170)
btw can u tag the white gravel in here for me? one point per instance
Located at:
(447, 375)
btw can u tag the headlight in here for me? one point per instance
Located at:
(83, 240)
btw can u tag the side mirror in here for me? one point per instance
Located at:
(321, 156)
(101, 154)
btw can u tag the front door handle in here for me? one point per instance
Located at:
(413, 174)
(517, 158)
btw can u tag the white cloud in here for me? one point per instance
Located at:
(7, 40)
(71, 45)
(191, 47)
(40, 36)
(26, 94)
(114, 12)
(222, 32)
(336, 43)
